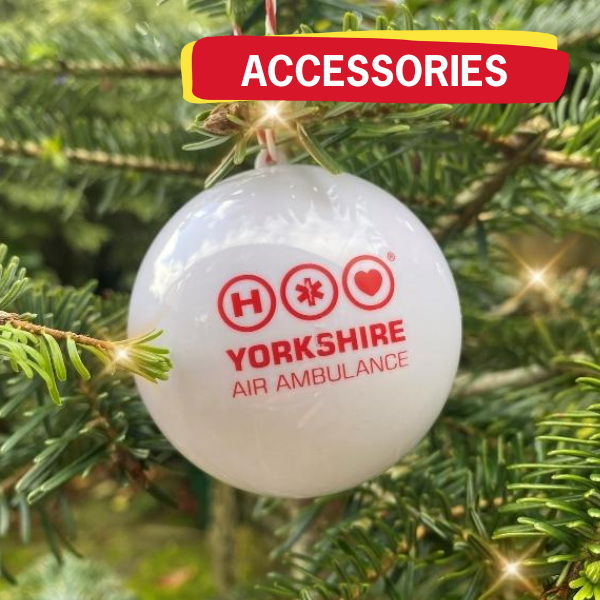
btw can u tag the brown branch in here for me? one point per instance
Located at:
(568, 41)
(560, 160)
(93, 69)
(466, 386)
(506, 144)
(131, 466)
(13, 320)
(474, 199)
(29, 149)
(510, 145)
(123, 459)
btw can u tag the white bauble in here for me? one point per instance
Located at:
(314, 327)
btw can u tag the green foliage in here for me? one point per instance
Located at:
(559, 497)
(41, 350)
(439, 524)
(12, 279)
(92, 125)
(74, 579)
(42, 448)
(587, 584)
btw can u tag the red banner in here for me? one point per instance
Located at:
(374, 70)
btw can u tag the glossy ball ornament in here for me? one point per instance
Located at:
(314, 327)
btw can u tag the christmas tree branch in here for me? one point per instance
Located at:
(560, 502)
(15, 321)
(115, 447)
(133, 467)
(510, 145)
(578, 37)
(560, 160)
(37, 349)
(352, 119)
(30, 149)
(507, 144)
(92, 69)
(103, 421)
(574, 23)
(466, 386)
(34, 348)
(391, 559)
(474, 199)
(426, 527)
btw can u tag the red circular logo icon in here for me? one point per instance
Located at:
(246, 303)
(368, 282)
(309, 292)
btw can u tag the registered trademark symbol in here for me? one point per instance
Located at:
(391, 256)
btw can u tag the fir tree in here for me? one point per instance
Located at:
(97, 150)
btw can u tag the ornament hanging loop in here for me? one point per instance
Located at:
(265, 159)
(271, 17)
(269, 153)
(266, 137)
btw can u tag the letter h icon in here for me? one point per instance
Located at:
(239, 304)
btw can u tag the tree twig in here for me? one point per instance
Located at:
(510, 145)
(506, 144)
(568, 41)
(29, 149)
(466, 386)
(93, 69)
(14, 320)
(474, 199)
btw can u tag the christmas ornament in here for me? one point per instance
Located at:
(314, 327)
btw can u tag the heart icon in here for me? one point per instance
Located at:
(368, 282)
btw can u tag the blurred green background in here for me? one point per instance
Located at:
(73, 223)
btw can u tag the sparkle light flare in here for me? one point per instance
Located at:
(121, 354)
(537, 277)
(272, 115)
(272, 111)
(512, 569)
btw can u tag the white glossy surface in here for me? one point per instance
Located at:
(317, 439)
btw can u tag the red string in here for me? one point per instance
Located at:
(266, 137)
(271, 16)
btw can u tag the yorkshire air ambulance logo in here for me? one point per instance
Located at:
(308, 292)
